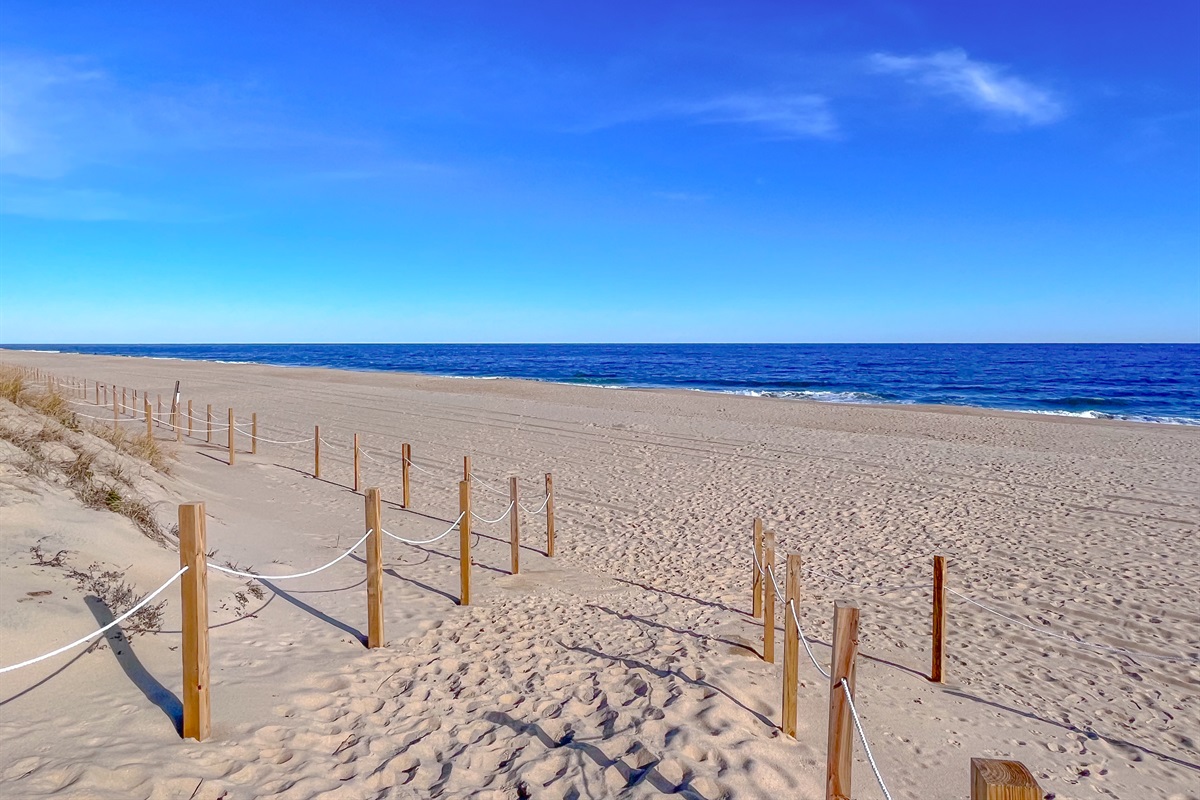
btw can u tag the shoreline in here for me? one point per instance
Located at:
(1048, 414)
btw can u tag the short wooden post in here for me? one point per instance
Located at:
(158, 411)
(464, 543)
(356, 464)
(791, 645)
(208, 420)
(135, 402)
(197, 722)
(993, 779)
(374, 569)
(317, 451)
(405, 463)
(231, 437)
(937, 672)
(549, 515)
(124, 404)
(514, 525)
(116, 414)
(254, 433)
(97, 392)
(768, 653)
(149, 419)
(189, 419)
(840, 747)
(756, 583)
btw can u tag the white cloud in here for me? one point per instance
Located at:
(791, 116)
(981, 85)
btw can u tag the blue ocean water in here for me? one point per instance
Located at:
(1143, 382)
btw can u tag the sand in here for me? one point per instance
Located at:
(627, 665)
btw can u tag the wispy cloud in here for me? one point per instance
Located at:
(789, 116)
(983, 86)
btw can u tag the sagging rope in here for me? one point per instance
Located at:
(260, 438)
(418, 467)
(447, 532)
(800, 629)
(497, 519)
(537, 510)
(485, 485)
(229, 571)
(141, 604)
(862, 736)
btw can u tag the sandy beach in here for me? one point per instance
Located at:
(628, 664)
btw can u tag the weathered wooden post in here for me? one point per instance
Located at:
(993, 779)
(316, 451)
(464, 543)
(124, 404)
(768, 653)
(197, 723)
(405, 463)
(549, 515)
(208, 418)
(374, 569)
(356, 466)
(791, 644)
(189, 419)
(231, 437)
(514, 525)
(97, 392)
(840, 752)
(756, 584)
(158, 411)
(466, 468)
(149, 419)
(254, 433)
(937, 671)
(116, 414)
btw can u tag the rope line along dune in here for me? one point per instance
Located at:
(485, 485)
(239, 573)
(442, 535)
(141, 604)
(262, 438)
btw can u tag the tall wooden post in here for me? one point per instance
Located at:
(197, 722)
(231, 437)
(466, 468)
(189, 419)
(149, 419)
(208, 419)
(514, 525)
(178, 422)
(768, 653)
(840, 747)
(254, 433)
(374, 569)
(317, 451)
(993, 779)
(549, 515)
(356, 463)
(135, 402)
(756, 583)
(791, 645)
(937, 672)
(405, 463)
(464, 543)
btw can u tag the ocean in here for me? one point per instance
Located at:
(1140, 382)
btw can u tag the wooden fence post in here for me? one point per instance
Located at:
(791, 645)
(254, 433)
(197, 722)
(464, 543)
(135, 402)
(231, 437)
(374, 569)
(993, 779)
(768, 653)
(549, 515)
(175, 414)
(466, 468)
(97, 387)
(116, 414)
(514, 525)
(937, 672)
(158, 412)
(208, 418)
(189, 419)
(149, 419)
(316, 451)
(405, 459)
(124, 404)
(756, 584)
(356, 465)
(840, 752)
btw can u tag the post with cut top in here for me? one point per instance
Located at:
(756, 583)
(466, 468)
(254, 433)
(135, 402)
(937, 672)
(208, 419)
(197, 723)
(791, 644)
(842, 668)
(550, 515)
(356, 463)
(464, 543)
(514, 525)
(768, 653)
(316, 451)
(231, 437)
(993, 779)
(189, 419)
(149, 419)
(374, 569)
(405, 463)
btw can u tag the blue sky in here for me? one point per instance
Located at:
(807, 172)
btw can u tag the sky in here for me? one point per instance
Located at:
(600, 172)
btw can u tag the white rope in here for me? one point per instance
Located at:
(141, 604)
(497, 519)
(863, 738)
(419, 468)
(485, 485)
(800, 629)
(327, 444)
(447, 532)
(260, 438)
(1075, 641)
(368, 455)
(107, 419)
(537, 510)
(298, 574)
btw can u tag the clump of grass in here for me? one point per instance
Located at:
(110, 588)
(12, 384)
(139, 446)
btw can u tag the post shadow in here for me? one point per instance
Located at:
(321, 615)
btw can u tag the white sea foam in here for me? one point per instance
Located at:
(817, 395)
(1093, 414)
